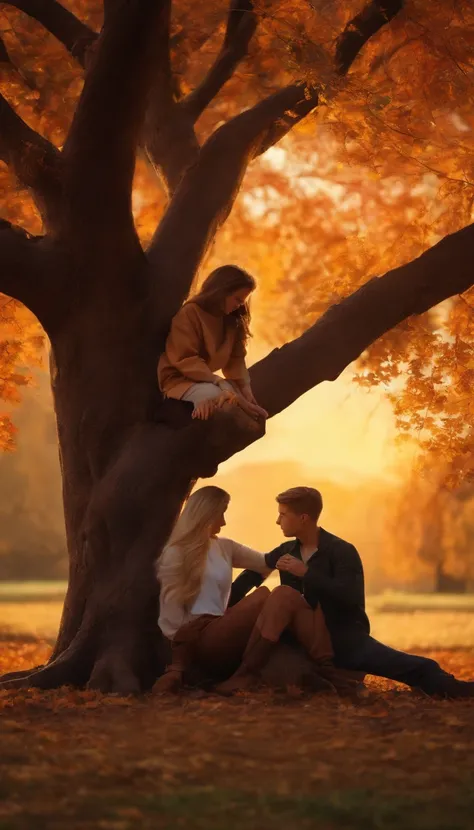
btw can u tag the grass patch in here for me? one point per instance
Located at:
(209, 808)
(398, 601)
(357, 810)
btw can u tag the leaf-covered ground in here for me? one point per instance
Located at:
(80, 760)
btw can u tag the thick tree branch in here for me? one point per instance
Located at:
(171, 143)
(203, 201)
(299, 100)
(348, 46)
(346, 329)
(35, 162)
(7, 67)
(5, 59)
(170, 139)
(205, 197)
(22, 265)
(162, 93)
(169, 136)
(100, 150)
(65, 26)
(361, 28)
(241, 25)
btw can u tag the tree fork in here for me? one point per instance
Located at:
(124, 531)
(63, 24)
(126, 477)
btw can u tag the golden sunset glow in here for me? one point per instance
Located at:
(188, 189)
(338, 430)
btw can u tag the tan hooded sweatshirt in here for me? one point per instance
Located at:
(198, 345)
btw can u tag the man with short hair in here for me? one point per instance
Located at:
(328, 573)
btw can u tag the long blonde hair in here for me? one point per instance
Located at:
(181, 566)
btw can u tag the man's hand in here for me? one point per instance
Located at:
(292, 565)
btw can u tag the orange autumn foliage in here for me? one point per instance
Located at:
(197, 762)
(381, 170)
(431, 528)
(21, 346)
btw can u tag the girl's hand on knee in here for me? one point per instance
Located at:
(204, 410)
(226, 397)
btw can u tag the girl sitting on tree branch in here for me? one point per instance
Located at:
(208, 334)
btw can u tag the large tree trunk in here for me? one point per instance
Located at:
(104, 367)
(128, 459)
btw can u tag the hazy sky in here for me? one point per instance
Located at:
(337, 428)
(337, 437)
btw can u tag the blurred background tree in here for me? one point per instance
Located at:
(380, 172)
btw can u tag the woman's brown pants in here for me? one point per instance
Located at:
(218, 643)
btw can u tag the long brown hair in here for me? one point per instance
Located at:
(218, 285)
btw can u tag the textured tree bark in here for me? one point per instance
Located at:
(346, 329)
(71, 32)
(128, 459)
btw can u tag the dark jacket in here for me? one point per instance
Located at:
(335, 580)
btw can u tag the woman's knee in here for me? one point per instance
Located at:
(203, 391)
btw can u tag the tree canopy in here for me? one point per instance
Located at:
(379, 172)
(105, 277)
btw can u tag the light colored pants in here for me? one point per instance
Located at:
(199, 392)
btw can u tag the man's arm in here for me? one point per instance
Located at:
(272, 558)
(243, 584)
(251, 579)
(346, 586)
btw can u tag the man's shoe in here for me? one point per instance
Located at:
(459, 689)
(345, 682)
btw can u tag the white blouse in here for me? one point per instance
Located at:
(222, 556)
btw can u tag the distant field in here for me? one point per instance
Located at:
(31, 591)
(398, 601)
(407, 621)
(388, 601)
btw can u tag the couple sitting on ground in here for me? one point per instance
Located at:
(320, 601)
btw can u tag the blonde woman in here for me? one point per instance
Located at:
(195, 575)
(209, 335)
